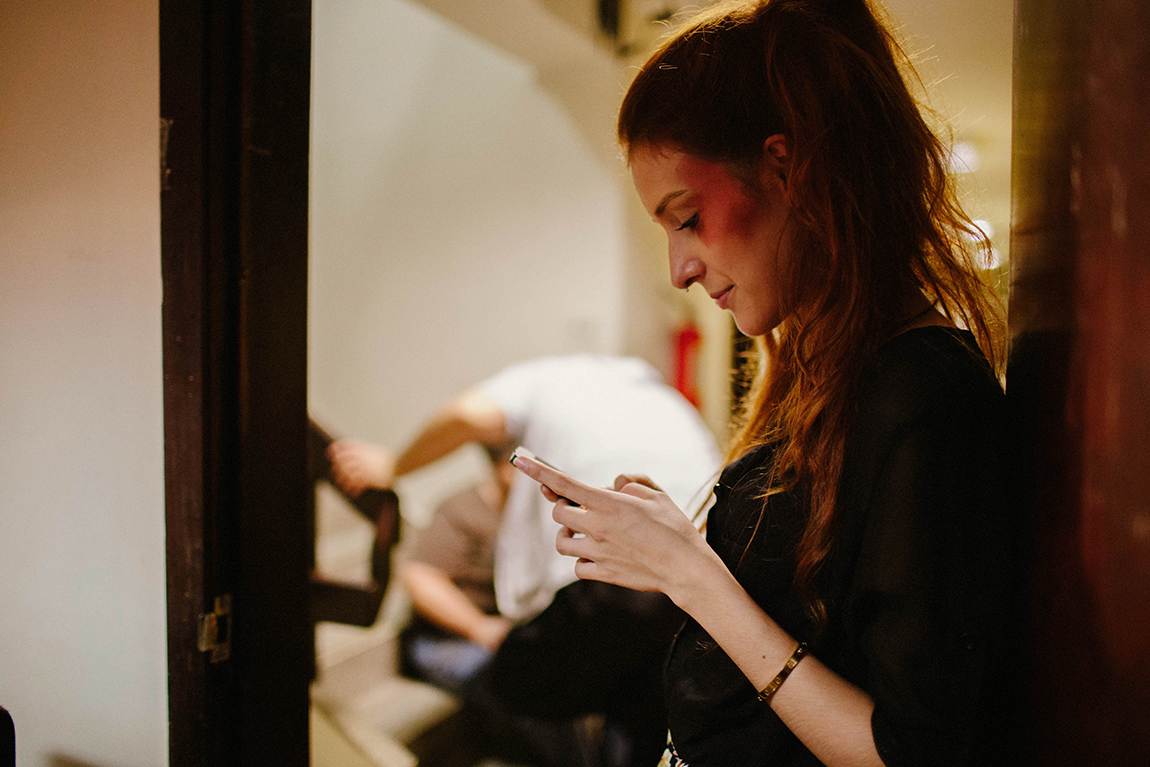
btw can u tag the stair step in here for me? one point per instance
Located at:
(351, 664)
(393, 712)
(350, 740)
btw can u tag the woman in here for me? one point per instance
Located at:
(849, 602)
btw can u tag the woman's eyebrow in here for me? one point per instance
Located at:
(662, 206)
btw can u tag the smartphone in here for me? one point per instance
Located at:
(525, 453)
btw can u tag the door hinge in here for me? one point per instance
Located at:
(216, 630)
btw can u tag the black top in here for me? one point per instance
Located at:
(916, 584)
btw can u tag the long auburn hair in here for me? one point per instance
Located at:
(875, 215)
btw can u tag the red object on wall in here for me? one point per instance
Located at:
(686, 365)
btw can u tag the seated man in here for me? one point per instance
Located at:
(449, 575)
(455, 627)
(576, 647)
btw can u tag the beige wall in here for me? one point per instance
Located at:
(459, 219)
(82, 627)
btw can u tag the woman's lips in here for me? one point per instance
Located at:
(722, 296)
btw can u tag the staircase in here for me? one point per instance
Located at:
(357, 690)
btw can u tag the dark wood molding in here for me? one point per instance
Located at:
(234, 96)
(1079, 393)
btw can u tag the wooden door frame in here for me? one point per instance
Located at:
(234, 108)
(1076, 379)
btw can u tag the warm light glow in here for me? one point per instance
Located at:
(986, 227)
(964, 157)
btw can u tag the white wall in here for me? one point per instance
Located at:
(82, 606)
(459, 220)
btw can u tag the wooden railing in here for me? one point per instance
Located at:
(340, 601)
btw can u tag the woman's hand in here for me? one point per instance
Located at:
(623, 480)
(633, 536)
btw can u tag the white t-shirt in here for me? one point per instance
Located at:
(594, 417)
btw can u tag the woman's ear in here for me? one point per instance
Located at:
(776, 156)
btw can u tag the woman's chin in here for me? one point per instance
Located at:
(755, 326)
(750, 326)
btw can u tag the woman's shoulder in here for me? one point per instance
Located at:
(752, 465)
(928, 371)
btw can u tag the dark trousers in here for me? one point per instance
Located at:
(597, 649)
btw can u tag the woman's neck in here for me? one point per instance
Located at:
(920, 312)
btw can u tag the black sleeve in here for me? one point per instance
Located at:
(931, 578)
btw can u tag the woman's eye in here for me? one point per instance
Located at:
(690, 223)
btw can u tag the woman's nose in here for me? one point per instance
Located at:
(685, 269)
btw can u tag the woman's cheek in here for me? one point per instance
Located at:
(726, 220)
(725, 209)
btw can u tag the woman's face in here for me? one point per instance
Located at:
(735, 244)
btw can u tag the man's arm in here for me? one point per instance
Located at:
(469, 417)
(439, 600)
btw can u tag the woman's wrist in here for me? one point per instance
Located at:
(698, 577)
(711, 595)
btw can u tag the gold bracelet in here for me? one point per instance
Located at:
(769, 691)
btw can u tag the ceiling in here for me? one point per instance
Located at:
(961, 49)
(964, 52)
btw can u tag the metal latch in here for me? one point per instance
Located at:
(216, 630)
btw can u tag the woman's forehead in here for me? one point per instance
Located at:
(660, 171)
